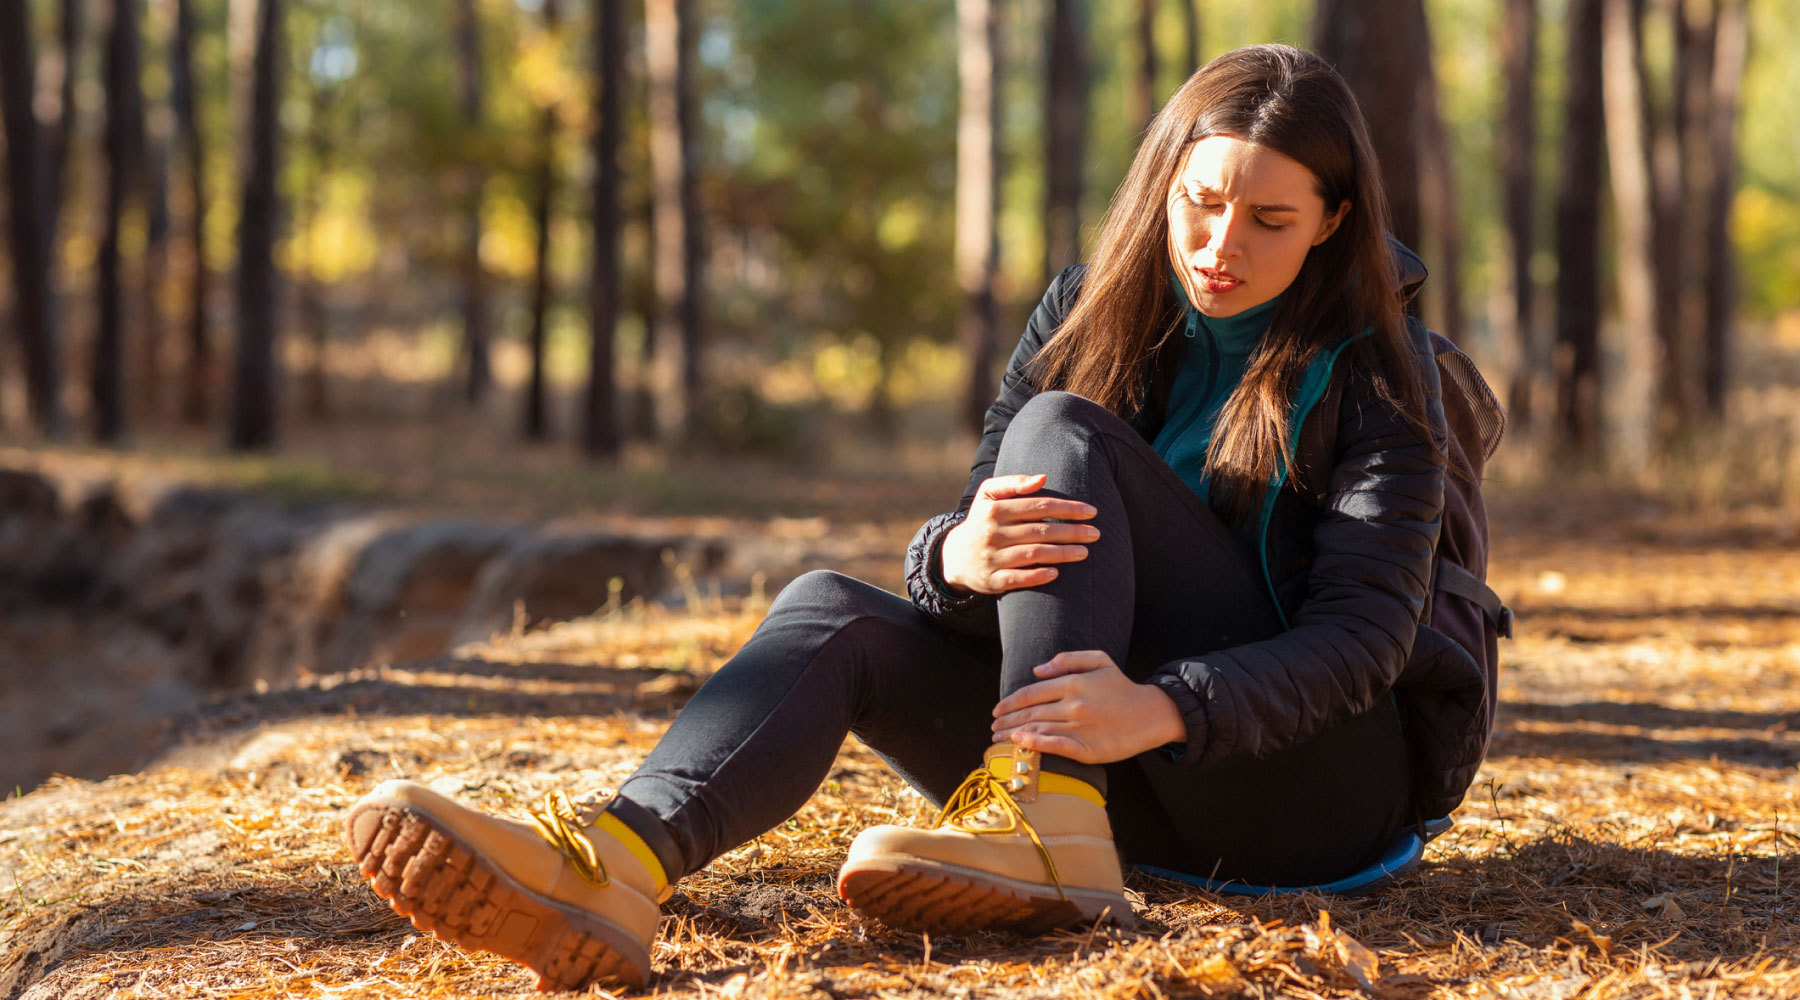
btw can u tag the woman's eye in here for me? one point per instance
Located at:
(1272, 227)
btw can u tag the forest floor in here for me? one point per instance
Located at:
(1634, 833)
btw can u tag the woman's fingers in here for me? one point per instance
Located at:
(1044, 531)
(1002, 487)
(1051, 743)
(1077, 661)
(1019, 556)
(1029, 508)
(1038, 693)
(1002, 580)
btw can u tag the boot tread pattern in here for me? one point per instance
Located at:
(936, 901)
(450, 892)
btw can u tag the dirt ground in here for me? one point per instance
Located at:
(1633, 834)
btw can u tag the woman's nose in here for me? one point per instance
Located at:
(1224, 239)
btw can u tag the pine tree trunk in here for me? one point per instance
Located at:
(196, 383)
(1144, 89)
(1065, 138)
(253, 402)
(1190, 22)
(1677, 379)
(70, 29)
(537, 421)
(1518, 159)
(1375, 47)
(123, 113)
(1621, 54)
(315, 315)
(477, 371)
(154, 269)
(600, 431)
(668, 44)
(1578, 236)
(1730, 52)
(29, 221)
(977, 249)
(1439, 198)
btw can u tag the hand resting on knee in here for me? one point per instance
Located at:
(1005, 542)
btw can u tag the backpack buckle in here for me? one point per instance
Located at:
(1505, 624)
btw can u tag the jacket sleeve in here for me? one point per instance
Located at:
(924, 560)
(1353, 632)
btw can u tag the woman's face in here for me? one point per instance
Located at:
(1241, 220)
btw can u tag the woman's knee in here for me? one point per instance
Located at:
(831, 597)
(1053, 422)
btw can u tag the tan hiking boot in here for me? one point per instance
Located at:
(1016, 847)
(567, 895)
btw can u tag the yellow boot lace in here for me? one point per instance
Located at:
(560, 823)
(981, 792)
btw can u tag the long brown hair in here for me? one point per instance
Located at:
(1119, 331)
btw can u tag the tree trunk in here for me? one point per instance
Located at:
(1578, 236)
(1375, 47)
(1518, 159)
(1664, 127)
(29, 221)
(315, 315)
(1144, 91)
(477, 371)
(1621, 53)
(69, 30)
(1190, 22)
(1439, 198)
(253, 403)
(1730, 52)
(1065, 137)
(668, 45)
(154, 267)
(600, 431)
(196, 383)
(978, 196)
(537, 422)
(123, 113)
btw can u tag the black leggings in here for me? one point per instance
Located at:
(1166, 579)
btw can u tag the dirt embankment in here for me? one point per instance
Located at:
(122, 609)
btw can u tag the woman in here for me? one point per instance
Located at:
(1190, 566)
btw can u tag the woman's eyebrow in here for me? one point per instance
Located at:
(1201, 189)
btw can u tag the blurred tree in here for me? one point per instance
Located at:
(1578, 234)
(537, 423)
(196, 382)
(1518, 159)
(1190, 22)
(1377, 49)
(29, 220)
(254, 373)
(478, 371)
(600, 431)
(1437, 195)
(1634, 207)
(668, 50)
(124, 117)
(1145, 89)
(1065, 138)
(70, 24)
(978, 196)
(315, 315)
(1730, 51)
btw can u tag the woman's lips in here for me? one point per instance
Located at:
(1218, 282)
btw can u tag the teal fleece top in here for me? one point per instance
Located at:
(1217, 355)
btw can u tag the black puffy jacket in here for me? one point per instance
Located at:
(1347, 557)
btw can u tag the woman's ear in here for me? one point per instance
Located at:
(1332, 222)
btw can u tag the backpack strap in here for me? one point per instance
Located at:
(1456, 580)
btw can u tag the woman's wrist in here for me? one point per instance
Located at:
(1165, 723)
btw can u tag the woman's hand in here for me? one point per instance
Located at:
(1086, 709)
(1004, 542)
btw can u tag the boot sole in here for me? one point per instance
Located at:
(914, 894)
(429, 875)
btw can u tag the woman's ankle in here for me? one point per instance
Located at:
(1093, 774)
(653, 834)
